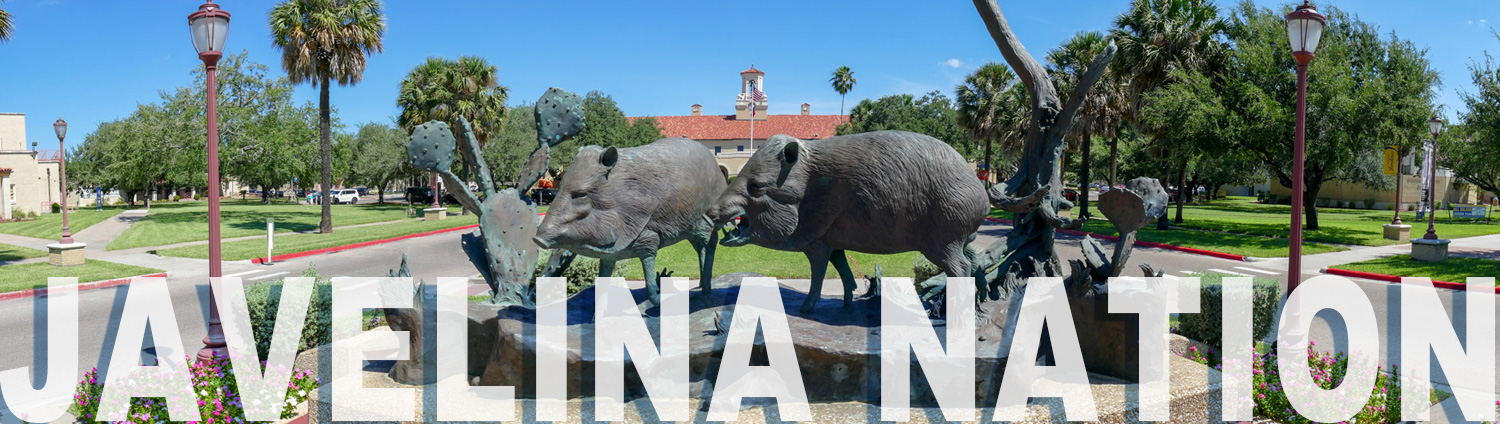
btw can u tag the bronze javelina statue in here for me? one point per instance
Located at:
(881, 192)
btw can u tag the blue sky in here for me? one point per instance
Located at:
(92, 61)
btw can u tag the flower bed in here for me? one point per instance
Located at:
(215, 387)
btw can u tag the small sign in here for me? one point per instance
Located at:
(1392, 160)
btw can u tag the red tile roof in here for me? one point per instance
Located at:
(725, 127)
(4, 170)
(752, 70)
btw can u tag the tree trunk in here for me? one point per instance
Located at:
(1182, 191)
(325, 138)
(1083, 177)
(1114, 160)
(987, 166)
(1163, 222)
(380, 195)
(1310, 207)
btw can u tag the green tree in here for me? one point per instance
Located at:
(1470, 150)
(1157, 38)
(607, 127)
(1103, 105)
(985, 107)
(1364, 90)
(932, 114)
(267, 138)
(843, 82)
(443, 90)
(380, 152)
(322, 41)
(7, 27)
(508, 150)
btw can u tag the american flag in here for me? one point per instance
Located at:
(755, 97)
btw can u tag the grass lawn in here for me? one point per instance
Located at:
(33, 275)
(12, 252)
(170, 223)
(250, 249)
(683, 262)
(1341, 226)
(1454, 270)
(1238, 244)
(49, 225)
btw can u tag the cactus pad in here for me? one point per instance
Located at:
(559, 116)
(431, 147)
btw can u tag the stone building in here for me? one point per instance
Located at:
(729, 136)
(29, 176)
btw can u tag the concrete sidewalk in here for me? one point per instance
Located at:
(1485, 247)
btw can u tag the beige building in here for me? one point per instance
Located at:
(1340, 193)
(28, 177)
(730, 136)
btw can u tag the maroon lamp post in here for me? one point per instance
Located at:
(1304, 27)
(62, 177)
(1436, 125)
(209, 26)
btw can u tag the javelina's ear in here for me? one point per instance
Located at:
(609, 157)
(791, 152)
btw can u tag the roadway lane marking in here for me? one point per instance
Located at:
(1262, 271)
(240, 274)
(267, 276)
(1228, 272)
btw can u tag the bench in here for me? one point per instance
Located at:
(1469, 211)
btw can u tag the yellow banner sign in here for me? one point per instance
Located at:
(1392, 160)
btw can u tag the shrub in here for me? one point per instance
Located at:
(923, 269)
(1328, 371)
(176, 198)
(263, 301)
(1205, 326)
(580, 274)
(31, 214)
(1369, 203)
(17, 213)
(56, 208)
(213, 383)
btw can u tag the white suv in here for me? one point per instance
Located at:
(347, 195)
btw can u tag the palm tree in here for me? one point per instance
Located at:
(6, 27)
(1156, 38)
(1102, 108)
(443, 90)
(323, 41)
(986, 107)
(843, 81)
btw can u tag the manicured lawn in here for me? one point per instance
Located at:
(250, 249)
(683, 262)
(33, 275)
(185, 222)
(1217, 241)
(49, 225)
(1341, 226)
(12, 252)
(1454, 270)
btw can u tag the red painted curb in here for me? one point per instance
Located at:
(276, 258)
(1397, 279)
(1210, 253)
(81, 287)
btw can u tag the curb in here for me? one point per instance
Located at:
(1210, 253)
(81, 287)
(1396, 279)
(278, 258)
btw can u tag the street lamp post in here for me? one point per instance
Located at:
(62, 177)
(210, 26)
(1304, 27)
(1436, 125)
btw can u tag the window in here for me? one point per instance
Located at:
(741, 148)
(718, 149)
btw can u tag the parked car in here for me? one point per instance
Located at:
(1070, 194)
(419, 195)
(543, 196)
(347, 195)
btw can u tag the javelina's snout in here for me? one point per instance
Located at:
(541, 242)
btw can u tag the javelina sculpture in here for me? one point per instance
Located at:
(881, 192)
(616, 204)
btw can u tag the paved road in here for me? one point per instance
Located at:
(439, 256)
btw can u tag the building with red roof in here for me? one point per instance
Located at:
(731, 137)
